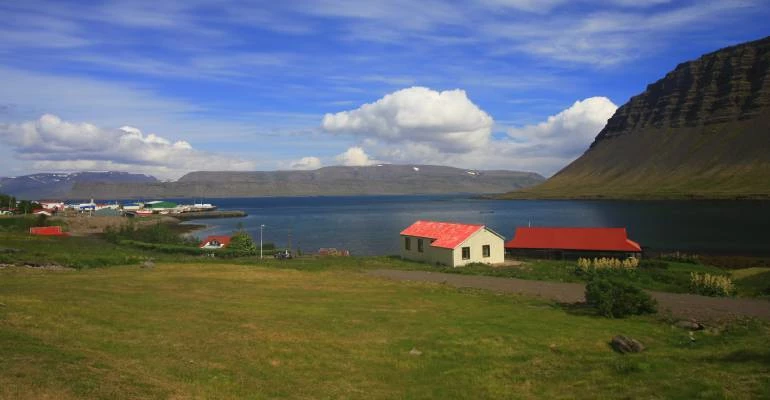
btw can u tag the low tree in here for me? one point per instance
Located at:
(242, 243)
(26, 206)
(41, 220)
(7, 202)
(615, 299)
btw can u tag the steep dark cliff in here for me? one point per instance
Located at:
(328, 181)
(701, 131)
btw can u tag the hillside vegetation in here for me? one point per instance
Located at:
(703, 131)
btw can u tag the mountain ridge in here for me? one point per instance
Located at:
(327, 181)
(58, 185)
(701, 131)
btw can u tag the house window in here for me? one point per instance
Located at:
(408, 243)
(466, 253)
(485, 250)
(419, 245)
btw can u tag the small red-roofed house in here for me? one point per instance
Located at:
(451, 244)
(572, 243)
(215, 242)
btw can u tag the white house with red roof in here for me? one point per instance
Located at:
(52, 205)
(451, 244)
(215, 242)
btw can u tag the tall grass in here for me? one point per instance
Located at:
(711, 285)
(587, 265)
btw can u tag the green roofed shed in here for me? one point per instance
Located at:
(159, 205)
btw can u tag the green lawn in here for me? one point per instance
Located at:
(230, 331)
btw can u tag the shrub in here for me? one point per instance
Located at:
(681, 257)
(710, 285)
(614, 299)
(157, 233)
(22, 223)
(736, 262)
(653, 264)
(242, 244)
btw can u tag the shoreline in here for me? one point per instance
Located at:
(524, 195)
(210, 214)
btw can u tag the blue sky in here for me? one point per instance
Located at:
(166, 87)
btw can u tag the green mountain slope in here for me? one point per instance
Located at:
(703, 131)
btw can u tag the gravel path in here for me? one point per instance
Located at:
(680, 305)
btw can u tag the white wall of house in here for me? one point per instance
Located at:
(476, 244)
(454, 257)
(428, 254)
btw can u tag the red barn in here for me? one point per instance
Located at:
(572, 243)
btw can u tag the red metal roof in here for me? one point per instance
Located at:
(446, 234)
(600, 239)
(224, 240)
(47, 231)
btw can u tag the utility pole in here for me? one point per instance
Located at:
(261, 228)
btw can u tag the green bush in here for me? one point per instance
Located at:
(615, 299)
(653, 264)
(157, 233)
(22, 223)
(187, 250)
(681, 257)
(163, 248)
(242, 244)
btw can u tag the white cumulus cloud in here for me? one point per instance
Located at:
(447, 120)
(545, 147)
(53, 144)
(355, 157)
(306, 163)
(569, 132)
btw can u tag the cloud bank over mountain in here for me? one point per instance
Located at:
(52, 144)
(421, 125)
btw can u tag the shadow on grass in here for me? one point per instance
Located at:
(579, 309)
(743, 356)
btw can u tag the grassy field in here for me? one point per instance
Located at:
(243, 331)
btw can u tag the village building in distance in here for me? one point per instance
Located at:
(215, 242)
(451, 244)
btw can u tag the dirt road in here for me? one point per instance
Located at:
(701, 308)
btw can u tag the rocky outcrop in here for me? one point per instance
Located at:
(372, 180)
(729, 85)
(701, 131)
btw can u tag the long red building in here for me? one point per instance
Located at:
(572, 242)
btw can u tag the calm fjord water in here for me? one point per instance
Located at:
(369, 225)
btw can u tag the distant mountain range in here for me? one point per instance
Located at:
(60, 185)
(703, 131)
(385, 179)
